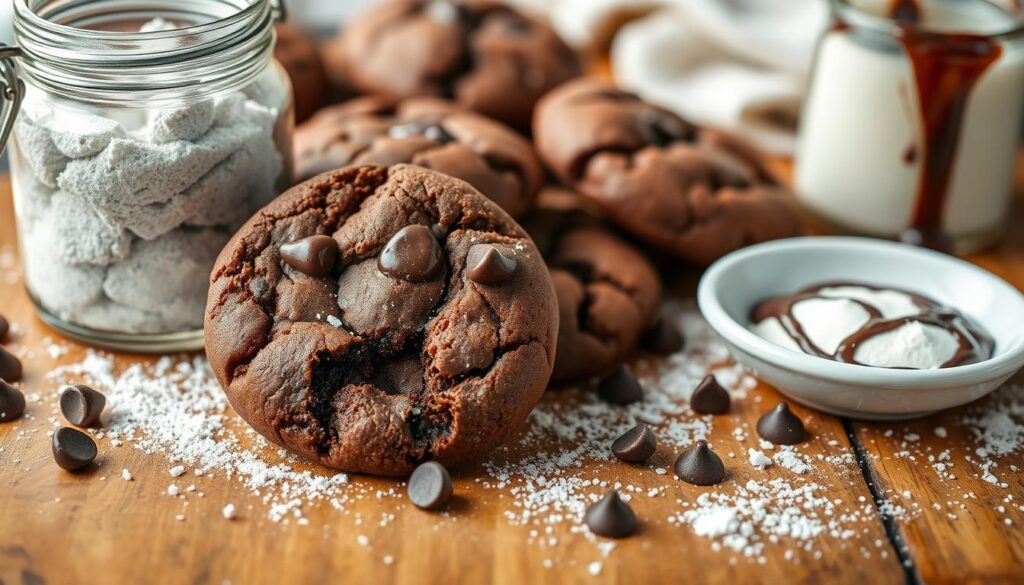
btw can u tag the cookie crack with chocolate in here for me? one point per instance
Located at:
(485, 55)
(371, 347)
(607, 290)
(428, 132)
(687, 189)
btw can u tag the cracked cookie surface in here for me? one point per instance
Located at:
(391, 358)
(695, 192)
(608, 292)
(427, 132)
(484, 55)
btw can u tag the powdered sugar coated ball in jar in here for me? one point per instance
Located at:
(128, 181)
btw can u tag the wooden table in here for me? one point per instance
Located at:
(58, 527)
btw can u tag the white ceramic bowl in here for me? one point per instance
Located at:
(733, 285)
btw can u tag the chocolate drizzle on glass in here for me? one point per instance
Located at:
(973, 344)
(945, 66)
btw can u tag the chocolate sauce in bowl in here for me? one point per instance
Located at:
(973, 344)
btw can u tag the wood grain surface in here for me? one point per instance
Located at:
(58, 527)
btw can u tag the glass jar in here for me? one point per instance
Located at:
(910, 128)
(148, 133)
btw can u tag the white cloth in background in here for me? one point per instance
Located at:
(738, 65)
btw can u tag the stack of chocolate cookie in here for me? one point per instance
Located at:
(415, 294)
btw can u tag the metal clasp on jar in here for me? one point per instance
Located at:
(12, 88)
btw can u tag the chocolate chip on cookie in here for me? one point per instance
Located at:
(483, 54)
(428, 132)
(397, 355)
(488, 264)
(313, 256)
(689, 190)
(301, 60)
(412, 254)
(607, 290)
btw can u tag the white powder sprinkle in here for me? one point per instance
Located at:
(177, 471)
(789, 458)
(758, 459)
(176, 408)
(229, 512)
(126, 475)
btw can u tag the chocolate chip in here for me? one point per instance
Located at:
(5, 327)
(780, 426)
(82, 405)
(72, 449)
(488, 265)
(663, 338)
(611, 517)
(413, 254)
(700, 465)
(430, 486)
(710, 397)
(10, 366)
(620, 387)
(635, 445)
(12, 402)
(661, 128)
(312, 256)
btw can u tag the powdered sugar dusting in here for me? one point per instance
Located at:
(546, 479)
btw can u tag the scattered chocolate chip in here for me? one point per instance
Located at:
(72, 449)
(611, 517)
(487, 265)
(12, 402)
(620, 387)
(4, 327)
(780, 426)
(430, 486)
(82, 405)
(663, 338)
(312, 256)
(635, 445)
(10, 366)
(710, 397)
(700, 465)
(413, 254)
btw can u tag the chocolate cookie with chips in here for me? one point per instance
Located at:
(694, 192)
(427, 132)
(482, 54)
(375, 317)
(607, 290)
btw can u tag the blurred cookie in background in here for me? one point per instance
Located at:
(298, 54)
(691, 191)
(484, 55)
(608, 292)
(427, 132)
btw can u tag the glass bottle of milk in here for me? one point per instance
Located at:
(910, 129)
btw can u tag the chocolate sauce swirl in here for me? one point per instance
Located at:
(973, 344)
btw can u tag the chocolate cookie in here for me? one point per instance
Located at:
(300, 58)
(607, 290)
(484, 55)
(689, 190)
(398, 353)
(428, 132)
